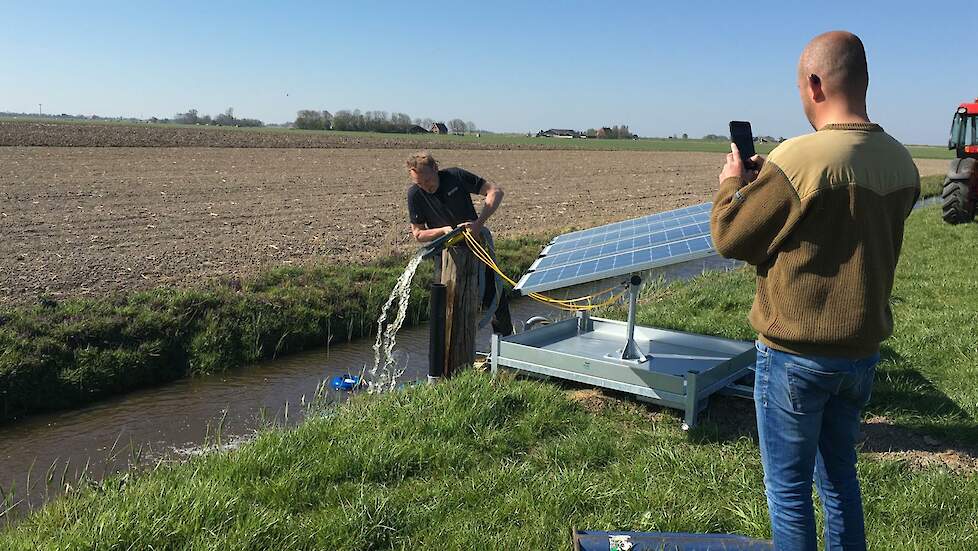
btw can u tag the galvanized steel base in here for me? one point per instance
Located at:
(679, 370)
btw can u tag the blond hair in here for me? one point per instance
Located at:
(422, 159)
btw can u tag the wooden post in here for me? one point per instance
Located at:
(459, 273)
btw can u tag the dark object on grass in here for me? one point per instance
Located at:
(235, 284)
(593, 540)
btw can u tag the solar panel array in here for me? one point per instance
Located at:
(665, 215)
(626, 247)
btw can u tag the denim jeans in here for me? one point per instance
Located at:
(808, 410)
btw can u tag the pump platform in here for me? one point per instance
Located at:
(671, 368)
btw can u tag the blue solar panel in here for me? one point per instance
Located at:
(626, 244)
(622, 248)
(659, 216)
(624, 232)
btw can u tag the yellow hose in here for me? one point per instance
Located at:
(571, 305)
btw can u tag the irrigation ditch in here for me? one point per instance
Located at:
(170, 416)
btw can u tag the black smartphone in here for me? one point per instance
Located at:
(741, 135)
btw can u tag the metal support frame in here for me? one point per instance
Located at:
(684, 372)
(631, 351)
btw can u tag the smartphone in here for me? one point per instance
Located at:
(741, 135)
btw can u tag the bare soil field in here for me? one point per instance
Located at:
(87, 221)
(60, 134)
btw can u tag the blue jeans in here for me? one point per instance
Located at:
(808, 411)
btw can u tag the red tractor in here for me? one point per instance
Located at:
(961, 185)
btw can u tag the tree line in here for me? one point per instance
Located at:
(226, 118)
(609, 132)
(373, 121)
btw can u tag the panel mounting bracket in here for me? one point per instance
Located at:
(631, 352)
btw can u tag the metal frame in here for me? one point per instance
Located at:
(682, 372)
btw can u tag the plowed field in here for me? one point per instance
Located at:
(87, 221)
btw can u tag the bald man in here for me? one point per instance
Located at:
(822, 220)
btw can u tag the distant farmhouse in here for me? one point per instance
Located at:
(415, 129)
(559, 133)
(439, 128)
(604, 132)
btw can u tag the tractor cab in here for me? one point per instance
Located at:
(964, 131)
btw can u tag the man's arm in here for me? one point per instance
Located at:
(494, 197)
(753, 213)
(422, 234)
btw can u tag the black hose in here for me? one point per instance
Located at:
(436, 331)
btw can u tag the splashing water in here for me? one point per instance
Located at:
(385, 373)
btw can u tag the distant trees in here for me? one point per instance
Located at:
(192, 116)
(371, 121)
(457, 126)
(610, 133)
(308, 119)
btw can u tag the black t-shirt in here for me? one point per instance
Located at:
(450, 204)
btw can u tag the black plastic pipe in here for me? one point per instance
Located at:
(436, 331)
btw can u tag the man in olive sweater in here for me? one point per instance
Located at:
(822, 220)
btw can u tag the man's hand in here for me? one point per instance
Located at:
(734, 167)
(475, 227)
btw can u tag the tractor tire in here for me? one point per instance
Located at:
(958, 208)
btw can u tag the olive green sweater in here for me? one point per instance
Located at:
(823, 224)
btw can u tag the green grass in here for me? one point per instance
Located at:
(56, 355)
(498, 463)
(931, 186)
(930, 152)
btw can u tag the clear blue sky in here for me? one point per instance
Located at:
(659, 67)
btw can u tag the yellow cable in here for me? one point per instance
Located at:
(564, 304)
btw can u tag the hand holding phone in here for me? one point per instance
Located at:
(743, 138)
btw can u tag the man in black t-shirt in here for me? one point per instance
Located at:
(439, 201)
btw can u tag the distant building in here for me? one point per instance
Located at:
(439, 128)
(604, 132)
(558, 133)
(415, 129)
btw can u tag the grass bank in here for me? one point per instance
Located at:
(56, 355)
(488, 463)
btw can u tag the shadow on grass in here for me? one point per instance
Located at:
(907, 413)
(901, 391)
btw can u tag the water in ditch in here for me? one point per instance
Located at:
(186, 417)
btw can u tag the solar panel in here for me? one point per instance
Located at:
(622, 248)
(686, 211)
(625, 232)
(622, 245)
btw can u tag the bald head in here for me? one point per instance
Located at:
(838, 60)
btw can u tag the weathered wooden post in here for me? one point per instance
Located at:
(459, 273)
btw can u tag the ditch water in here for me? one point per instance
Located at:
(45, 452)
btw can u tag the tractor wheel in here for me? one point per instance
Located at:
(959, 208)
